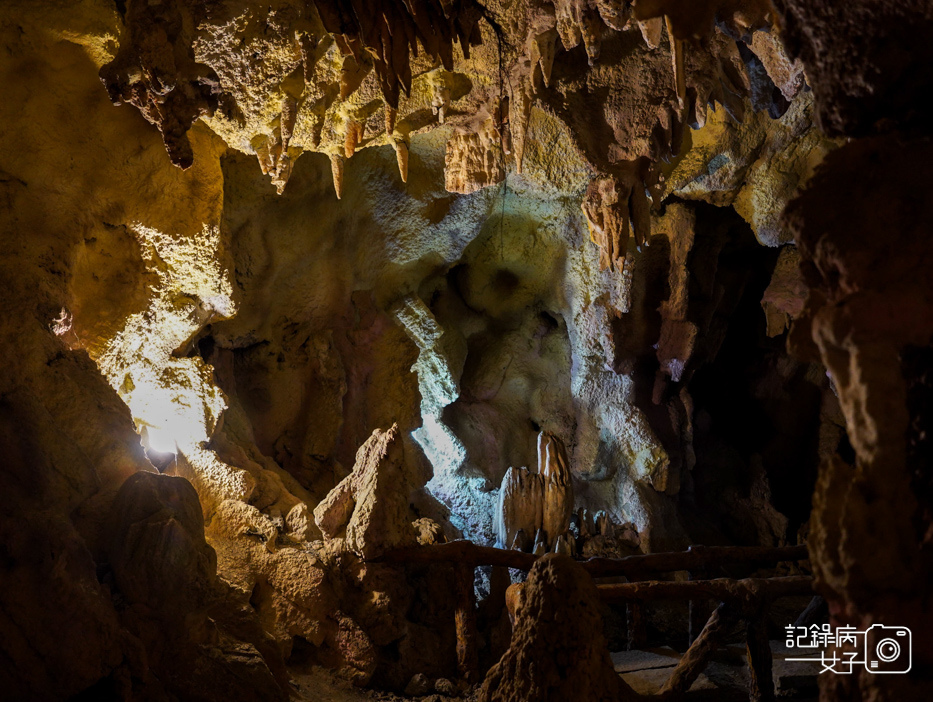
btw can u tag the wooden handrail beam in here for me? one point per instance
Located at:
(724, 589)
(461, 551)
(694, 558)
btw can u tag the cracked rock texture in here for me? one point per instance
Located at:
(558, 619)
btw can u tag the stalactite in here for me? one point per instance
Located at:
(336, 169)
(353, 137)
(546, 44)
(677, 58)
(389, 31)
(651, 30)
(401, 146)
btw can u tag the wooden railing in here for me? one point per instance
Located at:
(745, 600)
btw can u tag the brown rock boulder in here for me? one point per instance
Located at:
(558, 650)
(370, 506)
(165, 573)
(161, 563)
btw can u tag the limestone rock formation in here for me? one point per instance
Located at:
(159, 558)
(861, 77)
(369, 508)
(474, 160)
(536, 503)
(234, 325)
(166, 576)
(155, 70)
(868, 319)
(333, 79)
(572, 641)
(786, 295)
(554, 469)
(521, 505)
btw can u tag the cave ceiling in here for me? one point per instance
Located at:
(627, 80)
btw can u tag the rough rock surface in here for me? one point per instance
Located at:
(868, 318)
(369, 508)
(558, 620)
(862, 75)
(166, 576)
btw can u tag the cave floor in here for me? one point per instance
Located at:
(725, 677)
(316, 684)
(724, 680)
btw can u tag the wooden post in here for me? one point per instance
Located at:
(760, 681)
(697, 610)
(465, 622)
(635, 627)
(815, 612)
(723, 618)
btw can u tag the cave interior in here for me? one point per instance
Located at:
(478, 350)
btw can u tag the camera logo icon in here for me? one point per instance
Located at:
(887, 649)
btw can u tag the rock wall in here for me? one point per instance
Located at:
(867, 319)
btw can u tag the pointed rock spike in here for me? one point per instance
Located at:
(401, 155)
(677, 58)
(651, 31)
(353, 137)
(547, 47)
(336, 168)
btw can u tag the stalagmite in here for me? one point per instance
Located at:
(259, 339)
(366, 507)
(564, 544)
(336, 169)
(558, 487)
(538, 503)
(540, 547)
(585, 523)
(521, 500)
(603, 525)
(521, 541)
